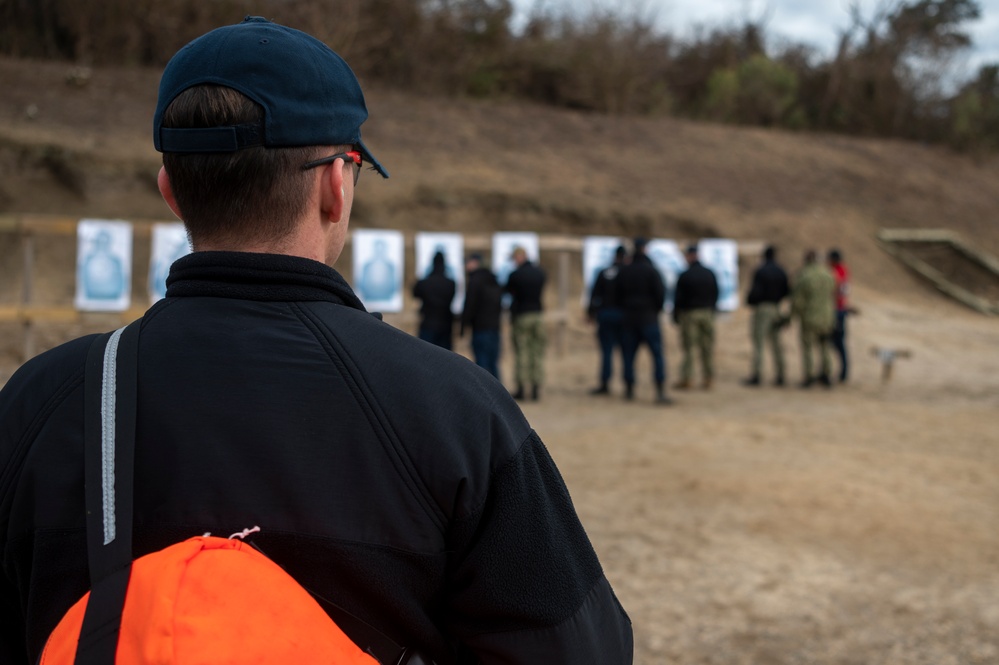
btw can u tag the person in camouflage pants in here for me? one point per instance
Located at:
(770, 286)
(525, 286)
(694, 303)
(813, 304)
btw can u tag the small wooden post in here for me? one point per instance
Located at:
(563, 300)
(27, 291)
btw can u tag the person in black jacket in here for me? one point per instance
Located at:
(605, 309)
(389, 476)
(525, 286)
(641, 293)
(694, 303)
(770, 287)
(482, 311)
(436, 290)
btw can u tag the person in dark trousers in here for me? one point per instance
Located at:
(694, 303)
(605, 310)
(525, 286)
(769, 288)
(436, 291)
(481, 313)
(389, 476)
(842, 276)
(641, 293)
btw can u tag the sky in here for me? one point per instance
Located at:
(814, 22)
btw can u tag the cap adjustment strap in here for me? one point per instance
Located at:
(210, 139)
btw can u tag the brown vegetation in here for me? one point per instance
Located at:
(888, 77)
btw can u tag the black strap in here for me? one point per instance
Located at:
(109, 465)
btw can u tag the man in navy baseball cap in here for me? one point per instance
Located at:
(388, 475)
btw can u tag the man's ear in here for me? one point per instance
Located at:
(332, 193)
(166, 191)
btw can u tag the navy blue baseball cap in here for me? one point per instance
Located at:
(309, 94)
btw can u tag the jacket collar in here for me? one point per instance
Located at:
(262, 277)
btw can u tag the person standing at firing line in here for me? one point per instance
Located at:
(694, 303)
(482, 313)
(605, 310)
(436, 291)
(526, 285)
(769, 288)
(642, 292)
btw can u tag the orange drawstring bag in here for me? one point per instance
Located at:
(213, 601)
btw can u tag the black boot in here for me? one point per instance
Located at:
(520, 392)
(535, 390)
(629, 391)
(752, 381)
(661, 395)
(601, 389)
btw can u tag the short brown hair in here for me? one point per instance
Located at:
(255, 194)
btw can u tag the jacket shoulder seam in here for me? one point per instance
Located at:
(380, 424)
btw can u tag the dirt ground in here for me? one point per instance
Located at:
(858, 525)
(851, 526)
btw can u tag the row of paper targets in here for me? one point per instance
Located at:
(104, 262)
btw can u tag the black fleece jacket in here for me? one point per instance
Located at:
(640, 290)
(396, 479)
(770, 285)
(696, 288)
(526, 285)
(436, 291)
(483, 302)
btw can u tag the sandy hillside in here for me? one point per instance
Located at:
(852, 526)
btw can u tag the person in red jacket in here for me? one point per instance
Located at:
(842, 275)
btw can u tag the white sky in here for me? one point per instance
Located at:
(815, 22)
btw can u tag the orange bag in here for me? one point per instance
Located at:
(213, 601)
